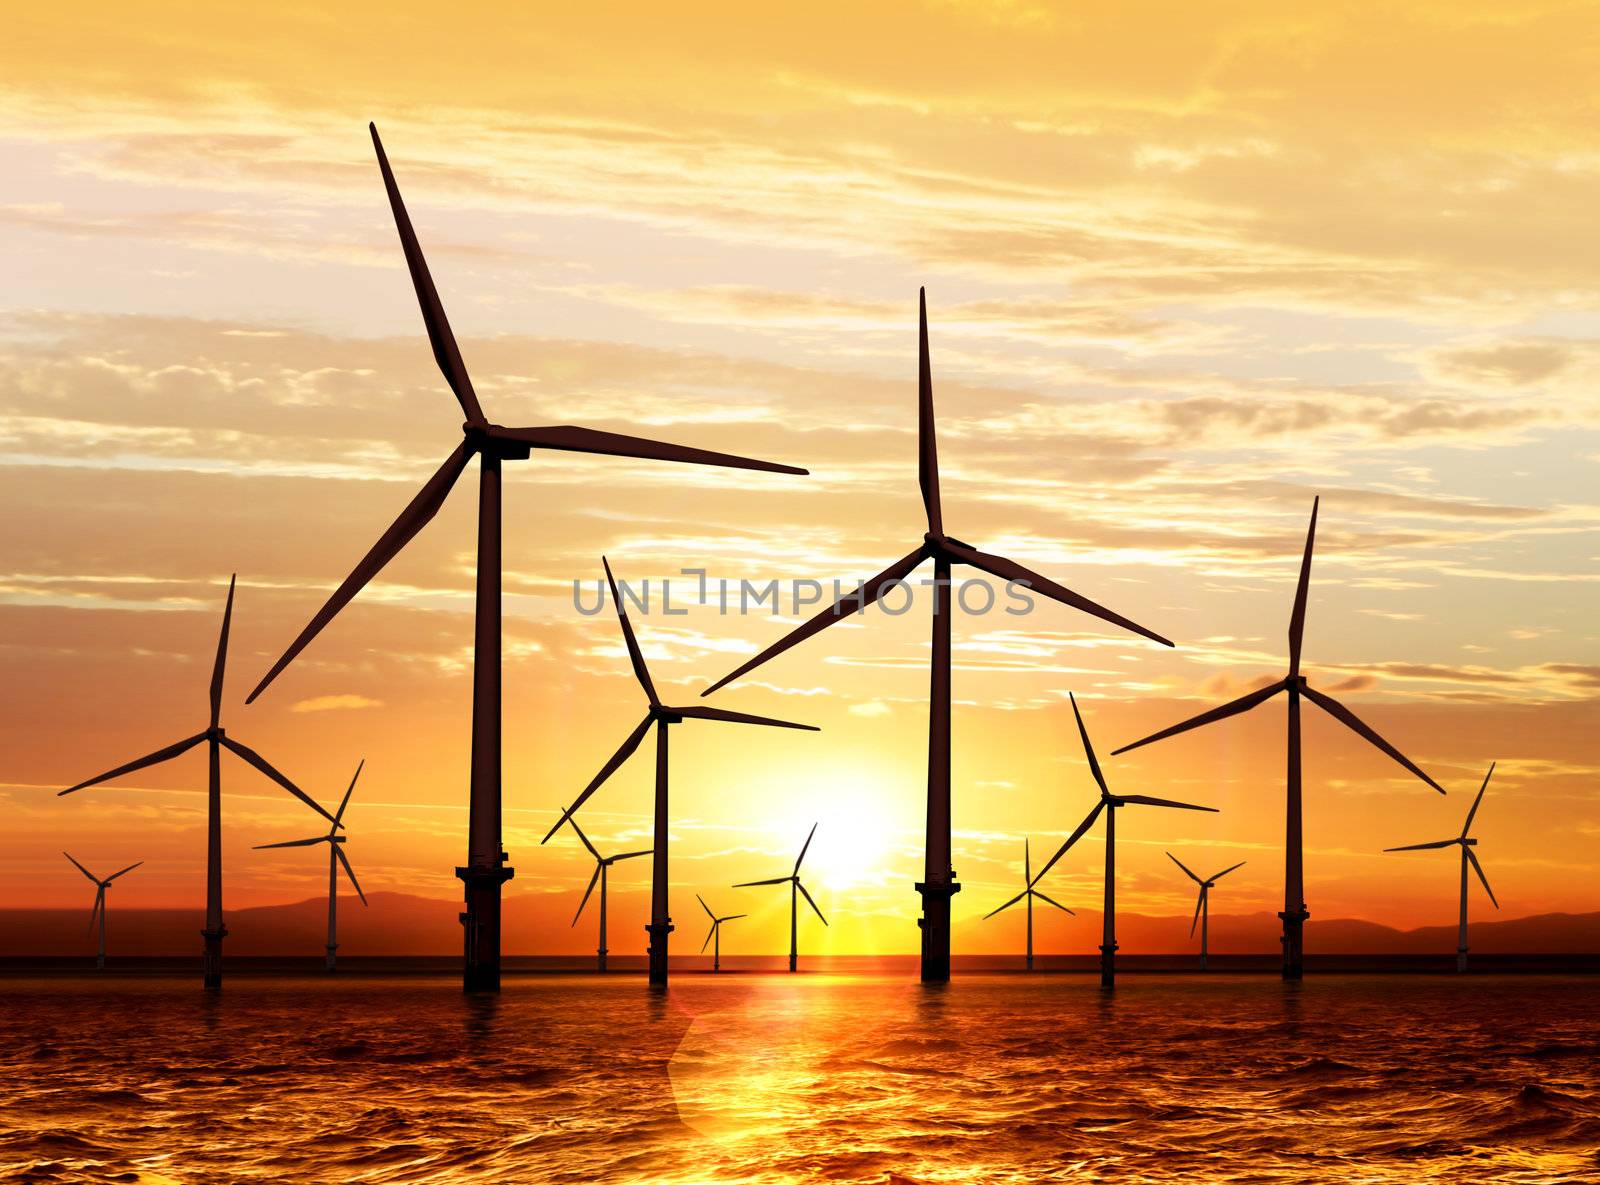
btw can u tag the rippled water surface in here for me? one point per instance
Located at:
(813, 1077)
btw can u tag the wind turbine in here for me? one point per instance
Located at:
(486, 869)
(216, 739)
(1110, 803)
(336, 857)
(602, 867)
(662, 716)
(1468, 856)
(714, 935)
(1202, 906)
(1294, 913)
(1028, 894)
(793, 881)
(939, 879)
(98, 913)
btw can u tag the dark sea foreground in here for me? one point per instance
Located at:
(763, 1077)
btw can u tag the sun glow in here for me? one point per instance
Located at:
(857, 835)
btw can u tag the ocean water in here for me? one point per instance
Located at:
(815, 1077)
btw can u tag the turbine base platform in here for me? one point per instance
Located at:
(658, 932)
(935, 926)
(480, 926)
(1293, 941)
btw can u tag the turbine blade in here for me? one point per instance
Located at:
(1198, 902)
(99, 904)
(635, 655)
(810, 902)
(1088, 822)
(1027, 864)
(1227, 870)
(927, 443)
(1006, 906)
(573, 823)
(445, 351)
(1185, 868)
(121, 872)
(1467, 826)
(417, 514)
(624, 751)
(1088, 749)
(1146, 800)
(1419, 847)
(1243, 704)
(569, 438)
(631, 855)
(349, 872)
(222, 656)
(81, 868)
(345, 801)
(777, 880)
(592, 881)
(1052, 901)
(251, 757)
(709, 933)
(705, 907)
(868, 592)
(1351, 721)
(1297, 619)
(145, 762)
(1478, 868)
(1011, 570)
(291, 843)
(732, 917)
(704, 713)
(804, 848)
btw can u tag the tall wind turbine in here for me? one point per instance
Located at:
(98, 913)
(662, 716)
(486, 868)
(1028, 894)
(1110, 803)
(793, 881)
(602, 869)
(216, 740)
(1294, 913)
(939, 879)
(714, 935)
(1468, 856)
(336, 857)
(1202, 906)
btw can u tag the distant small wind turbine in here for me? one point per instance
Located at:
(793, 881)
(939, 882)
(486, 870)
(1109, 803)
(1294, 913)
(217, 740)
(662, 716)
(1202, 906)
(336, 857)
(1028, 894)
(714, 935)
(98, 913)
(1468, 856)
(602, 868)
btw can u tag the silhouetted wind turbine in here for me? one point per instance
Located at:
(714, 935)
(1202, 906)
(662, 716)
(939, 879)
(602, 867)
(793, 881)
(1294, 913)
(1028, 894)
(217, 740)
(336, 857)
(98, 913)
(1109, 803)
(486, 869)
(1468, 856)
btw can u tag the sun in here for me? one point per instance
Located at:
(858, 835)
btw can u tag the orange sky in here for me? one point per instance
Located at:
(1185, 268)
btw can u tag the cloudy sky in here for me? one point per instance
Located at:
(1186, 269)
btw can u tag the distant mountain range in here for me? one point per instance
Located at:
(401, 924)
